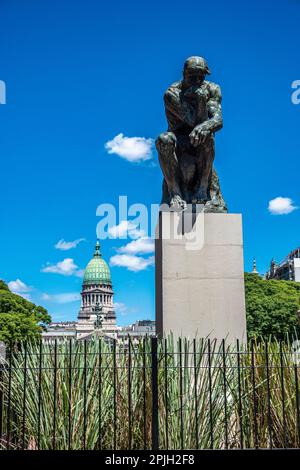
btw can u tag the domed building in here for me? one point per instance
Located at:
(97, 305)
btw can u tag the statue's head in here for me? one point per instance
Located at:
(194, 70)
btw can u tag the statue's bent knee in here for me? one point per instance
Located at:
(165, 142)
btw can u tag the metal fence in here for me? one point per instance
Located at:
(155, 394)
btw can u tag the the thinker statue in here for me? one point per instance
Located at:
(186, 152)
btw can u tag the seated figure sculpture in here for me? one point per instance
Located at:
(186, 151)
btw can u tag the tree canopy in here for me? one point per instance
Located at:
(271, 307)
(20, 319)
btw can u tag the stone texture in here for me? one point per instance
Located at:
(200, 287)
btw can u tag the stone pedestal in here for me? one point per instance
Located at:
(200, 276)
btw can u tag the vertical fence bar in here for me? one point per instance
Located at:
(144, 394)
(181, 393)
(8, 417)
(39, 395)
(210, 396)
(240, 393)
(129, 395)
(54, 395)
(297, 401)
(70, 397)
(24, 395)
(115, 391)
(196, 392)
(254, 395)
(84, 393)
(268, 395)
(166, 393)
(225, 392)
(154, 383)
(1, 400)
(99, 395)
(282, 394)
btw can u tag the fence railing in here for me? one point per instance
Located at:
(156, 394)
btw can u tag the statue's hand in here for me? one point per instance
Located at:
(199, 135)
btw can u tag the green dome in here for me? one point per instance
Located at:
(97, 270)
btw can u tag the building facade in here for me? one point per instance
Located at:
(136, 331)
(97, 299)
(288, 269)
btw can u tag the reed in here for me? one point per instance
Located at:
(98, 395)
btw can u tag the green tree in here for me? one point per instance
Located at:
(19, 318)
(271, 307)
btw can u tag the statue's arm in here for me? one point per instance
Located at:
(214, 122)
(176, 112)
(171, 100)
(214, 106)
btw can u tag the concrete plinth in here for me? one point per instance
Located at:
(200, 276)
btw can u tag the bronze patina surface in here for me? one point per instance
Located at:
(187, 150)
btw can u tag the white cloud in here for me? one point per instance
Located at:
(19, 287)
(132, 149)
(281, 205)
(124, 229)
(25, 296)
(120, 308)
(131, 262)
(46, 297)
(140, 246)
(67, 267)
(63, 245)
(120, 230)
(63, 298)
(79, 273)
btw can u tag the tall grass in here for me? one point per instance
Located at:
(95, 395)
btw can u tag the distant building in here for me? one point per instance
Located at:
(59, 331)
(59, 335)
(2, 352)
(97, 306)
(65, 325)
(288, 269)
(97, 316)
(139, 329)
(254, 268)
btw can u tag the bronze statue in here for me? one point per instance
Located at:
(99, 318)
(186, 152)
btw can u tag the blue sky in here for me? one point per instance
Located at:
(80, 73)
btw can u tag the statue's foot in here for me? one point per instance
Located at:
(214, 206)
(214, 201)
(177, 204)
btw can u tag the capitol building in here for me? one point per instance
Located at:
(97, 316)
(97, 298)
